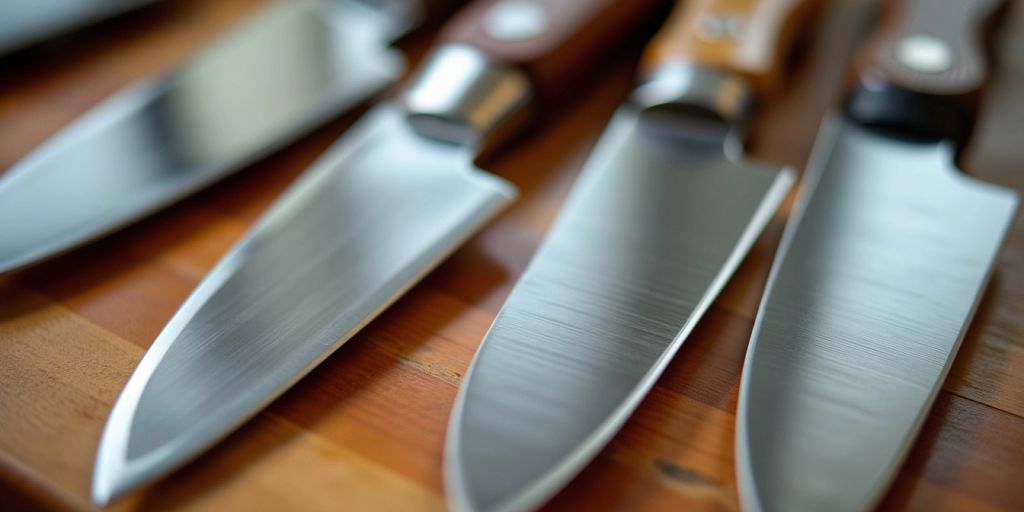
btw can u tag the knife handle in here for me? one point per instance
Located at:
(554, 42)
(921, 72)
(433, 9)
(497, 59)
(751, 38)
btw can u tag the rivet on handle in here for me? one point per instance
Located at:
(921, 71)
(516, 20)
(924, 53)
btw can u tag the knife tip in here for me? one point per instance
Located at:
(455, 488)
(463, 495)
(745, 488)
(111, 483)
(112, 476)
(106, 488)
(458, 486)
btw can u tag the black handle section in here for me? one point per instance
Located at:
(921, 73)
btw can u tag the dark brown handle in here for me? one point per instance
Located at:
(553, 41)
(748, 37)
(922, 70)
(434, 11)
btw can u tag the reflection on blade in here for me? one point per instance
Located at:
(25, 22)
(653, 229)
(873, 289)
(264, 85)
(367, 221)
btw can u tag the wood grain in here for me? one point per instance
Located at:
(750, 37)
(365, 430)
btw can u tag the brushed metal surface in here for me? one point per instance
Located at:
(370, 218)
(461, 96)
(24, 22)
(277, 77)
(873, 288)
(651, 232)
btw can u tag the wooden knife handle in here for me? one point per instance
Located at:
(553, 41)
(922, 69)
(435, 10)
(752, 38)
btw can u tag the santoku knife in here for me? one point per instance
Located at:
(879, 272)
(276, 77)
(663, 213)
(382, 207)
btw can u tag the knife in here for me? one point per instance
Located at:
(879, 272)
(275, 78)
(24, 23)
(663, 212)
(382, 207)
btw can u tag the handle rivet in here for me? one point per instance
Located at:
(516, 20)
(719, 27)
(924, 54)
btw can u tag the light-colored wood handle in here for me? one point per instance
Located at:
(748, 37)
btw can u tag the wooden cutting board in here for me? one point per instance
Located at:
(365, 430)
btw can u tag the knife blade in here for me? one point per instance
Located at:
(380, 209)
(287, 71)
(661, 216)
(878, 274)
(25, 23)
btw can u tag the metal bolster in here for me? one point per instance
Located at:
(718, 97)
(462, 98)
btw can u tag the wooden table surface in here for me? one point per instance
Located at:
(365, 430)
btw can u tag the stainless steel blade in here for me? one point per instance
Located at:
(23, 23)
(264, 85)
(655, 226)
(875, 283)
(376, 213)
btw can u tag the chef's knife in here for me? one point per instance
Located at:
(663, 213)
(290, 69)
(879, 272)
(26, 22)
(386, 204)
